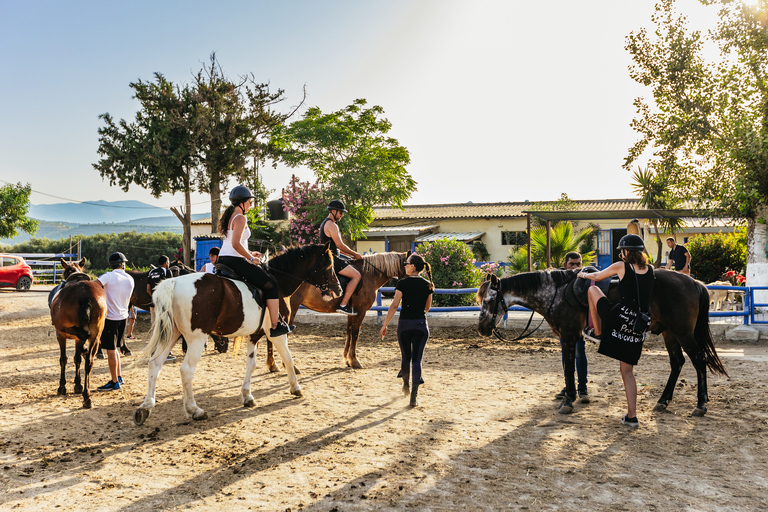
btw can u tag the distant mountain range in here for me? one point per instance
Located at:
(62, 220)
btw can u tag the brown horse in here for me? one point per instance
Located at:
(78, 311)
(140, 298)
(679, 312)
(376, 270)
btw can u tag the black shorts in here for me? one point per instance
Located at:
(112, 334)
(340, 263)
(604, 307)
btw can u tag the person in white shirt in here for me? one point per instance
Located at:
(118, 287)
(210, 267)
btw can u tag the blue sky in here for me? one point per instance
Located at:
(495, 100)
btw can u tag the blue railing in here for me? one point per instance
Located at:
(755, 305)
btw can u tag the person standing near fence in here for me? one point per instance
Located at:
(412, 329)
(118, 287)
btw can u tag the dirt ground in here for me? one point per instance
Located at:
(486, 435)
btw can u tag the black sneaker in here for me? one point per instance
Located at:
(126, 351)
(346, 310)
(109, 386)
(589, 334)
(170, 358)
(583, 397)
(100, 355)
(630, 422)
(561, 394)
(279, 330)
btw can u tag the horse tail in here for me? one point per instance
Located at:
(162, 330)
(703, 334)
(83, 331)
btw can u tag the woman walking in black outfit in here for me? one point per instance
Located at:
(617, 327)
(412, 328)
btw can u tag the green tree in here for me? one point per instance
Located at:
(713, 255)
(655, 194)
(353, 159)
(563, 204)
(563, 239)
(14, 207)
(707, 125)
(159, 149)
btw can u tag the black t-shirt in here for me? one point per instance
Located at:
(416, 291)
(678, 255)
(156, 275)
(629, 291)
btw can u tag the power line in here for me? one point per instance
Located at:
(100, 204)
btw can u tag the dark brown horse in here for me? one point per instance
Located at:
(78, 311)
(140, 298)
(376, 270)
(679, 312)
(199, 304)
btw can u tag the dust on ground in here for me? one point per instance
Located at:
(486, 435)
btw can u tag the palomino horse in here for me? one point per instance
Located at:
(679, 311)
(196, 305)
(376, 270)
(78, 311)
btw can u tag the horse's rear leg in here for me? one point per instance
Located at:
(281, 344)
(353, 332)
(676, 362)
(93, 347)
(195, 346)
(63, 363)
(250, 365)
(699, 361)
(155, 365)
(79, 346)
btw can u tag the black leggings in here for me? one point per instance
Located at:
(412, 335)
(254, 274)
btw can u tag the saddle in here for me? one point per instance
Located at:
(72, 278)
(576, 291)
(223, 270)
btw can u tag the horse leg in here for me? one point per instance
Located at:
(63, 363)
(155, 365)
(353, 332)
(271, 366)
(699, 361)
(676, 362)
(281, 344)
(79, 346)
(250, 364)
(568, 344)
(195, 346)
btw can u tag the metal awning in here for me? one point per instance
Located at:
(461, 237)
(612, 214)
(397, 230)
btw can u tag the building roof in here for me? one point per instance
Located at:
(461, 237)
(397, 230)
(494, 210)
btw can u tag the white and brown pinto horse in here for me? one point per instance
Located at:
(78, 311)
(196, 305)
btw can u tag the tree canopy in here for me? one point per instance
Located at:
(14, 207)
(353, 159)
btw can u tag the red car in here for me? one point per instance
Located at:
(15, 272)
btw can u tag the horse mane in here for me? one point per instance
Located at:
(292, 256)
(529, 281)
(388, 262)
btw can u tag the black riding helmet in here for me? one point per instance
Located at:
(240, 194)
(117, 258)
(337, 205)
(631, 243)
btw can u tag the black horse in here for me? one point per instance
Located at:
(679, 312)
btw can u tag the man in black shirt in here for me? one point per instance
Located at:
(680, 255)
(156, 275)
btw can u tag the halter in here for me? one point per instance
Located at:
(495, 331)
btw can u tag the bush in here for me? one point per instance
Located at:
(453, 266)
(713, 255)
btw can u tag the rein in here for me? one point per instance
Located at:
(495, 330)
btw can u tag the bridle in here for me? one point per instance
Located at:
(499, 296)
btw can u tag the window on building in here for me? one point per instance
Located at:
(514, 238)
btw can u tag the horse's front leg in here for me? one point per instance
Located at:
(195, 347)
(79, 346)
(568, 346)
(353, 332)
(250, 364)
(676, 362)
(281, 344)
(63, 363)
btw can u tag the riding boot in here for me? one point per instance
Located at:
(414, 395)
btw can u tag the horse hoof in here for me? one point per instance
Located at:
(78, 390)
(297, 392)
(356, 365)
(62, 391)
(87, 404)
(699, 412)
(565, 409)
(274, 368)
(202, 415)
(659, 407)
(140, 416)
(249, 403)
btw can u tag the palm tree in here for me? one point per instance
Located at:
(653, 192)
(562, 241)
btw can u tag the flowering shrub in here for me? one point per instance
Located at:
(491, 267)
(453, 266)
(735, 279)
(304, 202)
(716, 254)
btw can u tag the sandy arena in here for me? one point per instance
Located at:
(486, 435)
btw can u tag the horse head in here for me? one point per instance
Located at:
(492, 304)
(73, 267)
(178, 268)
(324, 276)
